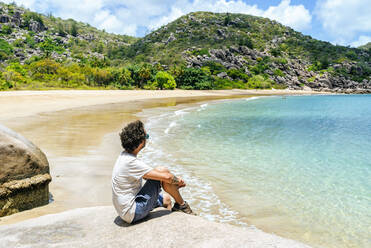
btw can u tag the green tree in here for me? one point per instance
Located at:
(61, 31)
(194, 78)
(165, 80)
(140, 74)
(227, 19)
(125, 79)
(74, 30)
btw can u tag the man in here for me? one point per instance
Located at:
(132, 201)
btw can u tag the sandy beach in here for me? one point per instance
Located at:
(27, 103)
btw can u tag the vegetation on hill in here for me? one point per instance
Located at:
(366, 47)
(200, 50)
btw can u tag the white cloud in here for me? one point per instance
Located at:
(124, 17)
(295, 16)
(343, 19)
(362, 40)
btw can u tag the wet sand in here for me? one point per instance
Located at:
(77, 130)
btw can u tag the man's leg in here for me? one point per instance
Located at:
(166, 200)
(171, 189)
(147, 199)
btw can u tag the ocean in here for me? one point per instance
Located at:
(296, 166)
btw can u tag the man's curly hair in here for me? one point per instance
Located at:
(132, 135)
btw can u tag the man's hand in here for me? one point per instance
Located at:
(178, 181)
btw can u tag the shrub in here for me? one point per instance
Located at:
(6, 29)
(61, 30)
(246, 41)
(48, 46)
(27, 17)
(215, 67)
(203, 51)
(165, 81)
(281, 61)
(4, 85)
(275, 52)
(16, 66)
(30, 41)
(223, 83)
(278, 72)
(18, 43)
(5, 47)
(150, 85)
(259, 82)
(3, 56)
(74, 29)
(45, 66)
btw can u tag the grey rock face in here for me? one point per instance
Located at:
(36, 26)
(24, 173)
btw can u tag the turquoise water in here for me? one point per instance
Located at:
(297, 166)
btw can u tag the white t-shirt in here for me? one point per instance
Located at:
(126, 183)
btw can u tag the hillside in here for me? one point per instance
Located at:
(366, 46)
(26, 34)
(201, 50)
(240, 45)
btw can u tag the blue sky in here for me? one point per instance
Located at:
(345, 22)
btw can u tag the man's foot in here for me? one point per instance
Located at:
(185, 208)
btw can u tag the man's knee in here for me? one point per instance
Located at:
(162, 169)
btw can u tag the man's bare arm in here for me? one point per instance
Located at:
(164, 175)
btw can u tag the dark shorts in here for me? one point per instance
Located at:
(147, 199)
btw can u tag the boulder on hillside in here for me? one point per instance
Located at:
(24, 174)
(4, 18)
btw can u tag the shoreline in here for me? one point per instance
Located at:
(60, 106)
(28, 103)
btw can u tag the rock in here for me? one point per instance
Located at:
(221, 33)
(222, 75)
(306, 88)
(280, 80)
(101, 227)
(24, 174)
(16, 19)
(36, 26)
(4, 18)
(170, 39)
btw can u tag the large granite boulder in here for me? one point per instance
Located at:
(100, 227)
(24, 174)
